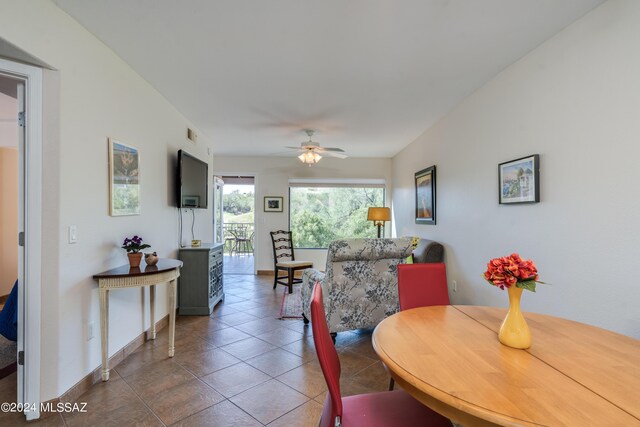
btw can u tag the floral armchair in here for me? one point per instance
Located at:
(360, 286)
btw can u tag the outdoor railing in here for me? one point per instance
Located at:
(238, 237)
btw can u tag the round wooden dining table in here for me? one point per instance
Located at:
(449, 358)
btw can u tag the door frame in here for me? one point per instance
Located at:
(30, 200)
(256, 235)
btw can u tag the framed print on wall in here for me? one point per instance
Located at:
(273, 204)
(426, 196)
(124, 179)
(519, 180)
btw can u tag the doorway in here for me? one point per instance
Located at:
(23, 126)
(9, 215)
(239, 224)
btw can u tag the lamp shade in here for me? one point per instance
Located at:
(379, 214)
(309, 157)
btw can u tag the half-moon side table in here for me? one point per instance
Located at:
(166, 271)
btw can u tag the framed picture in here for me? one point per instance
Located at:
(519, 180)
(124, 179)
(426, 196)
(273, 204)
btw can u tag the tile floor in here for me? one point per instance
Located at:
(239, 367)
(238, 264)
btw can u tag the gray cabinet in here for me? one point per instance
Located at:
(200, 283)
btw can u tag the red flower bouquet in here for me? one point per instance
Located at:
(512, 270)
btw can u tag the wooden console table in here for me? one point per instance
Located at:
(166, 271)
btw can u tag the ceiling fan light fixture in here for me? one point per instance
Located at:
(310, 157)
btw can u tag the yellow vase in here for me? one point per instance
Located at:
(514, 331)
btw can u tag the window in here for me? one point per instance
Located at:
(320, 213)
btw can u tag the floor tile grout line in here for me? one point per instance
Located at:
(144, 403)
(257, 420)
(287, 413)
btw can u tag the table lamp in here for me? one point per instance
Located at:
(379, 216)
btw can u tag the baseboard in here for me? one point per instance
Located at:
(82, 386)
(264, 272)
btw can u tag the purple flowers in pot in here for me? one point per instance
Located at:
(134, 244)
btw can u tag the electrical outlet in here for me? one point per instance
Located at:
(90, 334)
(455, 286)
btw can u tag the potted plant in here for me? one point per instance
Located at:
(133, 246)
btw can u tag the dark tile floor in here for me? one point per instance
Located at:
(239, 367)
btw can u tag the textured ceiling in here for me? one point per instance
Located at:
(368, 75)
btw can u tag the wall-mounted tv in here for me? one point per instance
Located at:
(193, 182)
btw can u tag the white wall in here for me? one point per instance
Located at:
(575, 101)
(272, 176)
(91, 96)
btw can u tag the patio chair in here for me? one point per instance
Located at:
(243, 241)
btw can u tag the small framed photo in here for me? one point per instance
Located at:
(273, 204)
(124, 179)
(519, 180)
(426, 196)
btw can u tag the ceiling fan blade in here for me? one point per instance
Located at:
(287, 153)
(340, 150)
(333, 154)
(294, 148)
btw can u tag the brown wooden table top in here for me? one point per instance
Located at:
(164, 264)
(449, 357)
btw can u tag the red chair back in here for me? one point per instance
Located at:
(328, 357)
(422, 285)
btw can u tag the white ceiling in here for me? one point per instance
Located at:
(369, 75)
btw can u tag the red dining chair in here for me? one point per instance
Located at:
(388, 408)
(421, 285)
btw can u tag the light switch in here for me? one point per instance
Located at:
(73, 234)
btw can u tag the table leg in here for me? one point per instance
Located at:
(152, 310)
(172, 316)
(104, 332)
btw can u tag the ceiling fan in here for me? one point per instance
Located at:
(311, 152)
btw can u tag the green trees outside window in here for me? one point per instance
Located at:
(319, 215)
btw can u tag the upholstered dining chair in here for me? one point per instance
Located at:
(284, 259)
(421, 285)
(388, 408)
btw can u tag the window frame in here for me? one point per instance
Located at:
(334, 183)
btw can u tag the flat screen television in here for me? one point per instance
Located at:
(193, 182)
